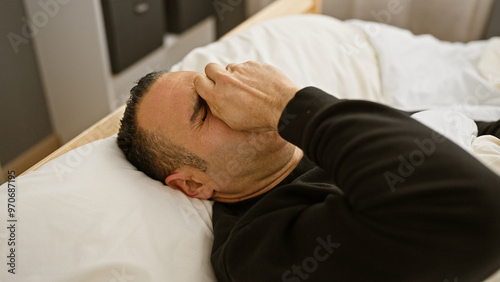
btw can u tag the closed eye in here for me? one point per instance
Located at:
(204, 107)
(200, 112)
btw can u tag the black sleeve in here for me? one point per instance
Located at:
(415, 207)
(488, 128)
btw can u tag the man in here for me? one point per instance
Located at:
(365, 193)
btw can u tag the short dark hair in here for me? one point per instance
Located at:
(151, 152)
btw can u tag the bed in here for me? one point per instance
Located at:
(85, 214)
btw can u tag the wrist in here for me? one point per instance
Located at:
(290, 93)
(287, 96)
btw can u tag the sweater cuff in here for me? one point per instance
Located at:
(305, 105)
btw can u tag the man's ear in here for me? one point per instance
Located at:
(189, 184)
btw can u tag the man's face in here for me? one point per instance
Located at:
(173, 107)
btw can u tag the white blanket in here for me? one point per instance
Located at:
(421, 72)
(458, 81)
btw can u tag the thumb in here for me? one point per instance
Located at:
(204, 87)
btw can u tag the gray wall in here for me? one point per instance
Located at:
(24, 118)
(494, 25)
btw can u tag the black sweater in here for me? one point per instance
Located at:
(378, 197)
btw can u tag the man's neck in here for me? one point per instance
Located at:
(269, 178)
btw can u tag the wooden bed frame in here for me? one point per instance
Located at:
(110, 124)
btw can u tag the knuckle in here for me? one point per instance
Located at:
(212, 68)
(198, 79)
(209, 66)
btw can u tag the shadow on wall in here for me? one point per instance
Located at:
(23, 110)
(448, 20)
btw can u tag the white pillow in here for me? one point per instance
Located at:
(89, 215)
(313, 50)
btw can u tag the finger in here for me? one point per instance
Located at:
(230, 67)
(212, 69)
(204, 87)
